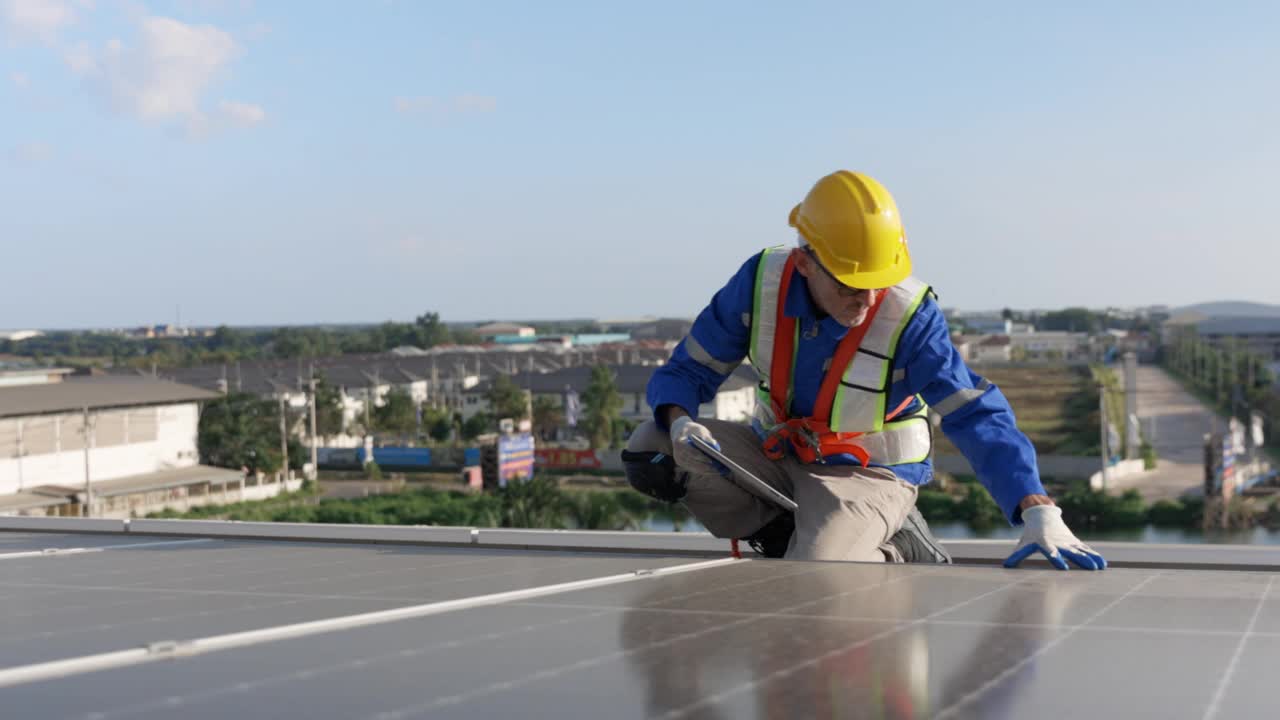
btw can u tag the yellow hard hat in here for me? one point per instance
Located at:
(852, 224)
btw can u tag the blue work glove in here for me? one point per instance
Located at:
(1044, 532)
(687, 455)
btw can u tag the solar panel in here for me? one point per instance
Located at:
(19, 542)
(512, 633)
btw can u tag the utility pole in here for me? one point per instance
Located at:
(88, 443)
(1133, 438)
(315, 463)
(368, 400)
(284, 440)
(1220, 388)
(1102, 425)
(434, 388)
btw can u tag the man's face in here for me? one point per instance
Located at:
(848, 306)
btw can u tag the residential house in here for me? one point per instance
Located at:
(1050, 345)
(499, 329)
(992, 349)
(733, 402)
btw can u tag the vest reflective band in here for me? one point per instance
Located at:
(850, 414)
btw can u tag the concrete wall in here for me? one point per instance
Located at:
(140, 441)
(185, 498)
(1122, 469)
(996, 353)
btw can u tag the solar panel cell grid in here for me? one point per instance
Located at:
(742, 639)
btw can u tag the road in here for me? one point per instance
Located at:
(1178, 422)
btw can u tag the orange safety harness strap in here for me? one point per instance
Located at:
(812, 437)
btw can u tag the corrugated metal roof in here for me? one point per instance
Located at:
(96, 393)
(1239, 326)
(164, 479)
(17, 502)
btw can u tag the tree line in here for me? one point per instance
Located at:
(227, 344)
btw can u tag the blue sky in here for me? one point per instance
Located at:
(290, 162)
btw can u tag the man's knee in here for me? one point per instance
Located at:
(649, 465)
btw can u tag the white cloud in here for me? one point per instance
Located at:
(80, 59)
(242, 114)
(31, 153)
(412, 245)
(427, 105)
(20, 79)
(475, 103)
(164, 76)
(413, 104)
(257, 31)
(36, 19)
(215, 6)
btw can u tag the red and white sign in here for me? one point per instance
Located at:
(566, 458)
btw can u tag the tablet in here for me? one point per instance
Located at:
(745, 479)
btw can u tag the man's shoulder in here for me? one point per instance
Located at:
(747, 271)
(926, 322)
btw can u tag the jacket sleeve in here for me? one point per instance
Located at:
(713, 349)
(976, 416)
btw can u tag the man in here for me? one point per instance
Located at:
(851, 351)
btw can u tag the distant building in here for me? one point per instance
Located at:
(665, 329)
(993, 349)
(19, 335)
(495, 330)
(983, 323)
(964, 346)
(438, 377)
(1258, 335)
(31, 376)
(589, 339)
(132, 438)
(1051, 344)
(733, 402)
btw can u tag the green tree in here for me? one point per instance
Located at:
(599, 510)
(397, 415)
(227, 339)
(328, 408)
(430, 331)
(547, 416)
(240, 430)
(465, 337)
(438, 423)
(507, 400)
(1072, 320)
(978, 509)
(601, 405)
(534, 503)
(479, 424)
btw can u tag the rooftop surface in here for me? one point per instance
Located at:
(95, 393)
(131, 624)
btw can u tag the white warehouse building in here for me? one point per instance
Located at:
(141, 447)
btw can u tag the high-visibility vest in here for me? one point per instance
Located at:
(851, 414)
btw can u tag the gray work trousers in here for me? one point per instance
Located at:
(847, 512)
